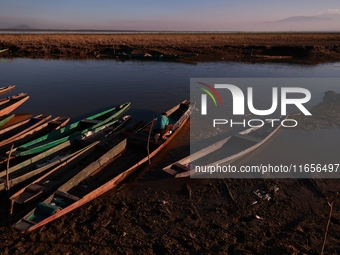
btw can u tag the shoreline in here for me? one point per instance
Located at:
(308, 48)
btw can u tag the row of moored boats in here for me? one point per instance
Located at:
(51, 166)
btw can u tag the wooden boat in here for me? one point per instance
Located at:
(4, 119)
(6, 89)
(61, 173)
(44, 161)
(9, 104)
(224, 152)
(17, 119)
(98, 178)
(38, 126)
(92, 124)
(9, 133)
(36, 165)
(50, 180)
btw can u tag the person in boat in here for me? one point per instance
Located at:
(160, 127)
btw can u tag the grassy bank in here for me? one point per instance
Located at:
(234, 46)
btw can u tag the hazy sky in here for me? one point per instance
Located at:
(198, 15)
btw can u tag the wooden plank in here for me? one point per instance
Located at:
(62, 194)
(29, 221)
(249, 138)
(24, 196)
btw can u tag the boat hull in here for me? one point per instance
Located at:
(44, 161)
(108, 174)
(6, 89)
(7, 105)
(224, 152)
(72, 131)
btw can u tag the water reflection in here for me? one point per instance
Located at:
(77, 88)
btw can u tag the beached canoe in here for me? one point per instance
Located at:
(40, 125)
(4, 119)
(100, 178)
(91, 124)
(6, 89)
(49, 182)
(17, 120)
(51, 179)
(9, 133)
(225, 151)
(7, 105)
(37, 165)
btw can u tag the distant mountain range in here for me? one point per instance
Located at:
(322, 22)
(5, 25)
(315, 18)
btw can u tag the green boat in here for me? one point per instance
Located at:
(32, 167)
(102, 175)
(84, 127)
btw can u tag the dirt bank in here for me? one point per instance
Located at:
(168, 216)
(247, 47)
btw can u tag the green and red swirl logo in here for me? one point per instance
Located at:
(211, 91)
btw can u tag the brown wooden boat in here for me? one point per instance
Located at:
(6, 89)
(54, 177)
(17, 120)
(104, 173)
(7, 105)
(5, 118)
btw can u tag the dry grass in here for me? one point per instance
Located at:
(171, 39)
(211, 45)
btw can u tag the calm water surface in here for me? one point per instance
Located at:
(78, 88)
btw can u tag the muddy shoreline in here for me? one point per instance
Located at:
(153, 213)
(309, 48)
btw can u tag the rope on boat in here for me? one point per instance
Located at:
(7, 169)
(148, 147)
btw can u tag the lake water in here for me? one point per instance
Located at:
(78, 88)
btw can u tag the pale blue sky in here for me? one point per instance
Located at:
(198, 15)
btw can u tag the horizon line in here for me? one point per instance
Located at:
(163, 31)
